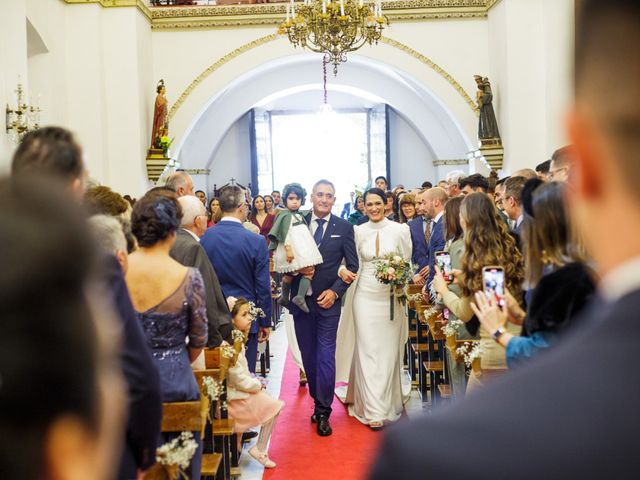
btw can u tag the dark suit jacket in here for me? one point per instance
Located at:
(241, 260)
(419, 257)
(436, 243)
(337, 243)
(140, 373)
(571, 413)
(188, 251)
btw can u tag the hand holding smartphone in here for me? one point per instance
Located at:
(443, 259)
(493, 281)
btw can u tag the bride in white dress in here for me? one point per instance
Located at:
(370, 345)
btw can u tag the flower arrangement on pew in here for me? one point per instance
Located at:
(415, 298)
(213, 388)
(175, 456)
(471, 352)
(255, 312)
(397, 272)
(451, 328)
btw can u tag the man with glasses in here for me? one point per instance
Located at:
(241, 260)
(188, 252)
(317, 330)
(560, 165)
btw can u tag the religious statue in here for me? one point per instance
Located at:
(160, 123)
(488, 126)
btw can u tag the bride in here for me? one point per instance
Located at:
(370, 344)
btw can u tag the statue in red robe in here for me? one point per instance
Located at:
(159, 114)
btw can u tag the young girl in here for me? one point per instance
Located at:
(294, 245)
(248, 404)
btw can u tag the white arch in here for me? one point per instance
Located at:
(361, 76)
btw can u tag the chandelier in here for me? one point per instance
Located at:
(23, 118)
(334, 27)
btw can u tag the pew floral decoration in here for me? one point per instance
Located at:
(415, 298)
(227, 351)
(237, 335)
(397, 272)
(255, 311)
(213, 388)
(470, 352)
(432, 313)
(451, 327)
(178, 452)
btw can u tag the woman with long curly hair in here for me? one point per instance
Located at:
(486, 242)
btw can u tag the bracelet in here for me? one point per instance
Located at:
(497, 334)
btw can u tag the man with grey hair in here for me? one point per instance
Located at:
(453, 183)
(241, 260)
(181, 183)
(109, 236)
(188, 251)
(512, 201)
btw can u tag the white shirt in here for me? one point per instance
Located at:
(519, 220)
(436, 218)
(621, 281)
(192, 234)
(313, 226)
(230, 219)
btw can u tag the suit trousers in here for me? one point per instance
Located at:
(317, 340)
(252, 351)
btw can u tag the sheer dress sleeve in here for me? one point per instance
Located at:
(198, 328)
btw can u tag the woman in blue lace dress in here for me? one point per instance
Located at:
(169, 301)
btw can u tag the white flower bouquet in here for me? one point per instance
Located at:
(212, 388)
(470, 353)
(255, 312)
(451, 327)
(178, 452)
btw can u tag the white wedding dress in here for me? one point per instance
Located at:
(370, 345)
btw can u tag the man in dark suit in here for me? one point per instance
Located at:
(188, 251)
(419, 235)
(433, 206)
(241, 260)
(316, 331)
(512, 202)
(572, 412)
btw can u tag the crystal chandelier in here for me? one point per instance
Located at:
(334, 27)
(23, 118)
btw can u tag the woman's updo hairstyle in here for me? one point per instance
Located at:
(155, 216)
(294, 188)
(375, 191)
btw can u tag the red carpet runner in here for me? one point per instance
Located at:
(298, 450)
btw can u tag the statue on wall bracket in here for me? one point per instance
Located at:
(158, 154)
(488, 132)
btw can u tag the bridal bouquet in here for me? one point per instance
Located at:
(397, 272)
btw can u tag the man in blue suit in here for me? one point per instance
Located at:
(419, 235)
(316, 331)
(241, 260)
(434, 200)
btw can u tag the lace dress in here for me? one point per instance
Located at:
(166, 326)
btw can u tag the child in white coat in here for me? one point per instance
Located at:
(249, 405)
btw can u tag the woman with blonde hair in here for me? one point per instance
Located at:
(486, 242)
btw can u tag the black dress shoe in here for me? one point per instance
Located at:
(314, 418)
(323, 428)
(248, 435)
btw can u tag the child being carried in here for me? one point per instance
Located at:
(295, 248)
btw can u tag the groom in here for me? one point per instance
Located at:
(316, 331)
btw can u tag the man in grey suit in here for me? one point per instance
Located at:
(573, 411)
(188, 251)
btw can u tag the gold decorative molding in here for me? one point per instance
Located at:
(140, 4)
(212, 68)
(436, 68)
(216, 16)
(261, 41)
(457, 161)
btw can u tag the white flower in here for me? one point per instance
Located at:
(255, 312)
(227, 351)
(178, 451)
(470, 351)
(238, 336)
(451, 328)
(213, 388)
(397, 258)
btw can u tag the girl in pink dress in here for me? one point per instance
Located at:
(249, 405)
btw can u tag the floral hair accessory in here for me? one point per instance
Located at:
(231, 302)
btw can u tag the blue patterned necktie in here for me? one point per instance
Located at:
(319, 231)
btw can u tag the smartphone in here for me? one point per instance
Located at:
(493, 280)
(443, 259)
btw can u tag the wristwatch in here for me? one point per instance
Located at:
(497, 334)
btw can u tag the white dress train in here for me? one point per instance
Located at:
(370, 346)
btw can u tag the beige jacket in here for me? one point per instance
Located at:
(240, 383)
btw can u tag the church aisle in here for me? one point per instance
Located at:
(300, 453)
